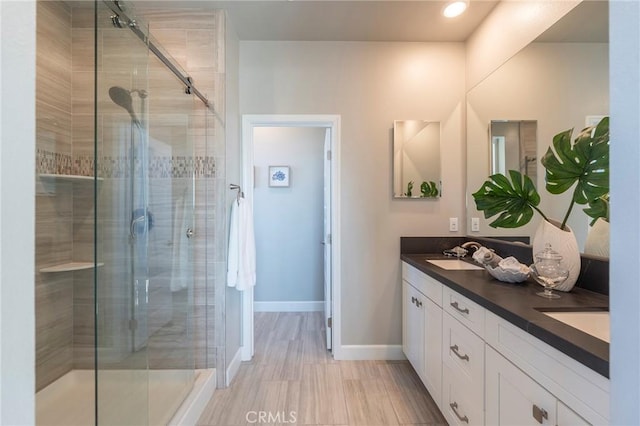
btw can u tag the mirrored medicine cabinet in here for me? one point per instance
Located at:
(416, 159)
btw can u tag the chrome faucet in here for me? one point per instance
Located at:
(472, 244)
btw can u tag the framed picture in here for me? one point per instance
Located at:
(279, 176)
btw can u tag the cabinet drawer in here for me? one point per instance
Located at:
(463, 352)
(467, 312)
(459, 406)
(424, 283)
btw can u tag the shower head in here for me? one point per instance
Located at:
(122, 97)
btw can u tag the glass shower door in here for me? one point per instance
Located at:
(123, 223)
(145, 213)
(170, 351)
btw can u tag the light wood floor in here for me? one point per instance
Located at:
(293, 380)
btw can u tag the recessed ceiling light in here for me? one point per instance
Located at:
(455, 8)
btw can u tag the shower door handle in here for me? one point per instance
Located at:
(189, 232)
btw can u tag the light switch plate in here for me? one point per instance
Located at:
(475, 224)
(453, 224)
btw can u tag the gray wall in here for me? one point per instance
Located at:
(370, 85)
(17, 212)
(289, 221)
(624, 21)
(232, 312)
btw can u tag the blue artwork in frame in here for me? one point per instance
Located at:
(279, 176)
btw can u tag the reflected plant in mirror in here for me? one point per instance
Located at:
(583, 165)
(539, 83)
(416, 159)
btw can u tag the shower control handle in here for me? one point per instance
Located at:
(189, 232)
(134, 225)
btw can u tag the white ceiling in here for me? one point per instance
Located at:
(379, 20)
(343, 20)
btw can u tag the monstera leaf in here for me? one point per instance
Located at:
(513, 200)
(598, 208)
(429, 189)
(409, 188)
(585, 164)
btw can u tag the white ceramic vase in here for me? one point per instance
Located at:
(597, 242)
(562, 241)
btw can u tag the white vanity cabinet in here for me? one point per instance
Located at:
(422, 327)
(481, 369)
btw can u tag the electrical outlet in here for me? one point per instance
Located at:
(475, 224)
(453, 224)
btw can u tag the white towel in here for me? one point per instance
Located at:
(241, 262)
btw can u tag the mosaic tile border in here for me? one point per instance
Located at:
(48, 162)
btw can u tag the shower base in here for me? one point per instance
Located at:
(70, 399)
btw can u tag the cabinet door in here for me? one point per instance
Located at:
(413, 327)
(512, 397)
(433, 350)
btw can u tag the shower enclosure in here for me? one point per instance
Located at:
(115, 219)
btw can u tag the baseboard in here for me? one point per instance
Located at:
(233, 367)
(288, 306)
(369, 352)
(246, 354)
(193, 406)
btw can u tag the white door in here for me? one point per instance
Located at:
(327, 236)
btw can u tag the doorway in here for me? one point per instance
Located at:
(329, 229)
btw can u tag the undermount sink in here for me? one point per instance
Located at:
(595, 323)
(454, 264)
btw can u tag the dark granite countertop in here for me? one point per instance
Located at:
(518, 304)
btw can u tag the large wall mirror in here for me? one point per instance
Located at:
(555, 83)
(416, 159)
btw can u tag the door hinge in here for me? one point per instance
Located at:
(329, 155)
(133, 324)
(329, 322)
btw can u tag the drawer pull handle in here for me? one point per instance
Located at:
(454, 349)
(418, 303)
(539, 413)
(457, 307)
(454, 407)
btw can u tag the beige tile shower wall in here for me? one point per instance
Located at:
(195, 39)
(54, 206)
(83, 155)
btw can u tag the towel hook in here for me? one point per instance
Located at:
(239, 189)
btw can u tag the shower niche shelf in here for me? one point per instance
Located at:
(68, 178)
(70, 266)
